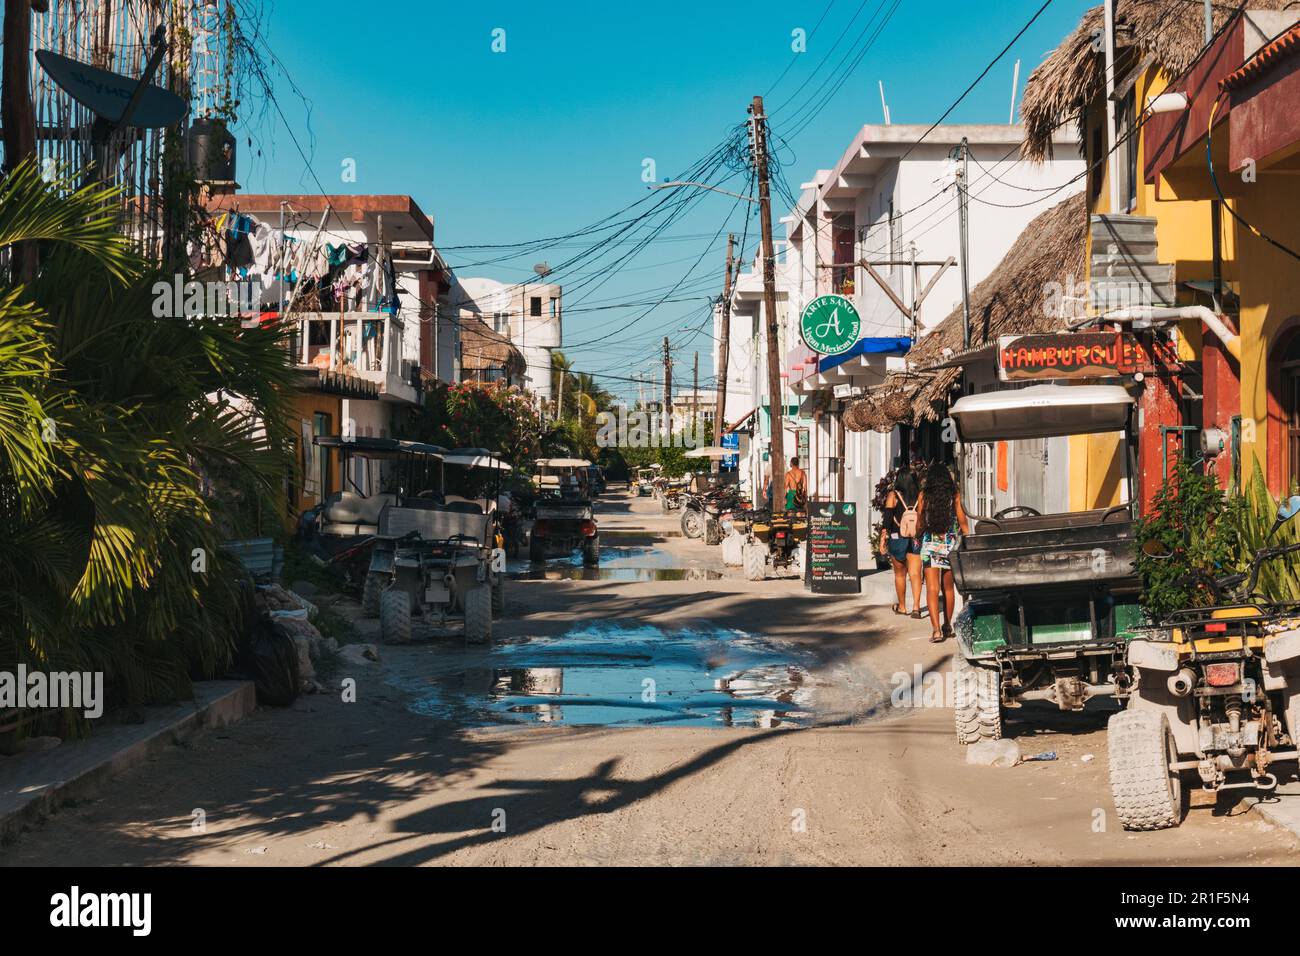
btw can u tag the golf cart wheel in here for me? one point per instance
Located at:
(395, 616)
(692, 523)
(1147, 794)
(978, 700)
(536, 549)
(478, 614)
(753, 557)
(712, 531)
(370, 593)
(591, 552)
(499, 598)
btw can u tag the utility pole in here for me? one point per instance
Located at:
(559, 402)
(963, 156)
(665, 414)
(695, 395)
(724, 348)
(776, 452)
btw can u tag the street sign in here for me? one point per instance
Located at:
(1071, 355)
(830, 324)
(107, 94)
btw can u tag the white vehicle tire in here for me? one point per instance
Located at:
(692, 523)
(753, 558)
(478, 614)
(395, 616)
(1147, 794)
(371, 592)
(977, 694)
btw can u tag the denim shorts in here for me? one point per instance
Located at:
(900, 548)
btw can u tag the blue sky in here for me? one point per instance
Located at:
(551, 135)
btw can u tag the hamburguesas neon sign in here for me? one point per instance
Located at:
(1071, 355)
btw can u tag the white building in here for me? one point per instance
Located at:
(530, 314)
(889, 199)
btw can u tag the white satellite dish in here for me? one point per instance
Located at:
(107, 94)
(542, 269)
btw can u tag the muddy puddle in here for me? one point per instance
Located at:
(617, 563)
(616, 675)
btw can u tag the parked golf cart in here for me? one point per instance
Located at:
(435, 558)
(563, 519)
(1051, 599)
(1215, 690)
(376, 472)
(643, 485)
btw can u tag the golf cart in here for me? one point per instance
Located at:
(705, 501)
(1215, 690)
(562, 514)
(643, 485)
(436, 558)
(1051, 599)
(376, 472)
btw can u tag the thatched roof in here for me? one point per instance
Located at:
(1169, 32)
(482, 349)
(1015, 299)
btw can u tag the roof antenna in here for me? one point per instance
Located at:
(883, 105)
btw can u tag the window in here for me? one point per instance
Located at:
(501, 323)
(555, 304)
(321, 426)
(1291, 414)
(1127, 138)
(535, 305)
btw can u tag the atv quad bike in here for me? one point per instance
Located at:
(776, 541)
(1215, 690)
(1051, 599)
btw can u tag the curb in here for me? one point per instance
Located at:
(52, 779)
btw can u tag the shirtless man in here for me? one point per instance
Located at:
(796, 485)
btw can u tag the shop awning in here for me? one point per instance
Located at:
(864, 347)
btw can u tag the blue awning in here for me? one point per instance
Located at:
(866, 346)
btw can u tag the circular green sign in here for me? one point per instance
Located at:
(830, 324)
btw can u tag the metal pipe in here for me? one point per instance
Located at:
(1162, 314)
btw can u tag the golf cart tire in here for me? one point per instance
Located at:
(536, 549)
(591, 552)
(712, 531)
(1147, 794)
(977, 701)
(753, 558)
(692, 523)
(499, 598)
(395, 616)
(478, 614)
(371, 591)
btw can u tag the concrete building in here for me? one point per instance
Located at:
(889, 200)
(530, 314)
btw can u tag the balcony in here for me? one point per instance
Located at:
(358, 345)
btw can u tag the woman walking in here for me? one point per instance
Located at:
(900, 518)
(942, 520)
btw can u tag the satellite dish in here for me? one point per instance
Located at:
(107, 94)
(542, 269)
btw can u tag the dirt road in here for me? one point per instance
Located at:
(434, 765)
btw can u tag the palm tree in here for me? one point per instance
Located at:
(112, 424)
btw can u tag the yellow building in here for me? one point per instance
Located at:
(1160, 238)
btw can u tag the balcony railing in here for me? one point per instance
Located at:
(367, 345)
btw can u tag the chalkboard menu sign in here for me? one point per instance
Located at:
(832, 566)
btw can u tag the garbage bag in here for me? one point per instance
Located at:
(273, 665)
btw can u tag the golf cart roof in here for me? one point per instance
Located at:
(475, 458)
(1041, 411)
(379, 447)
(710, 451)
(562, 463)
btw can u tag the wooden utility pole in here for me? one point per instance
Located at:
(17, 115)
(776, 452)
(695, 395)
(665, 416)
(724, 348)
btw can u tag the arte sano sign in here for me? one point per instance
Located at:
(1071, 355)
(830, 324)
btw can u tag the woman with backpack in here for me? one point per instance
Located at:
(898, 537)
(942, 520)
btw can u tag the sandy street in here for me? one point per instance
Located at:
(437, 764)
